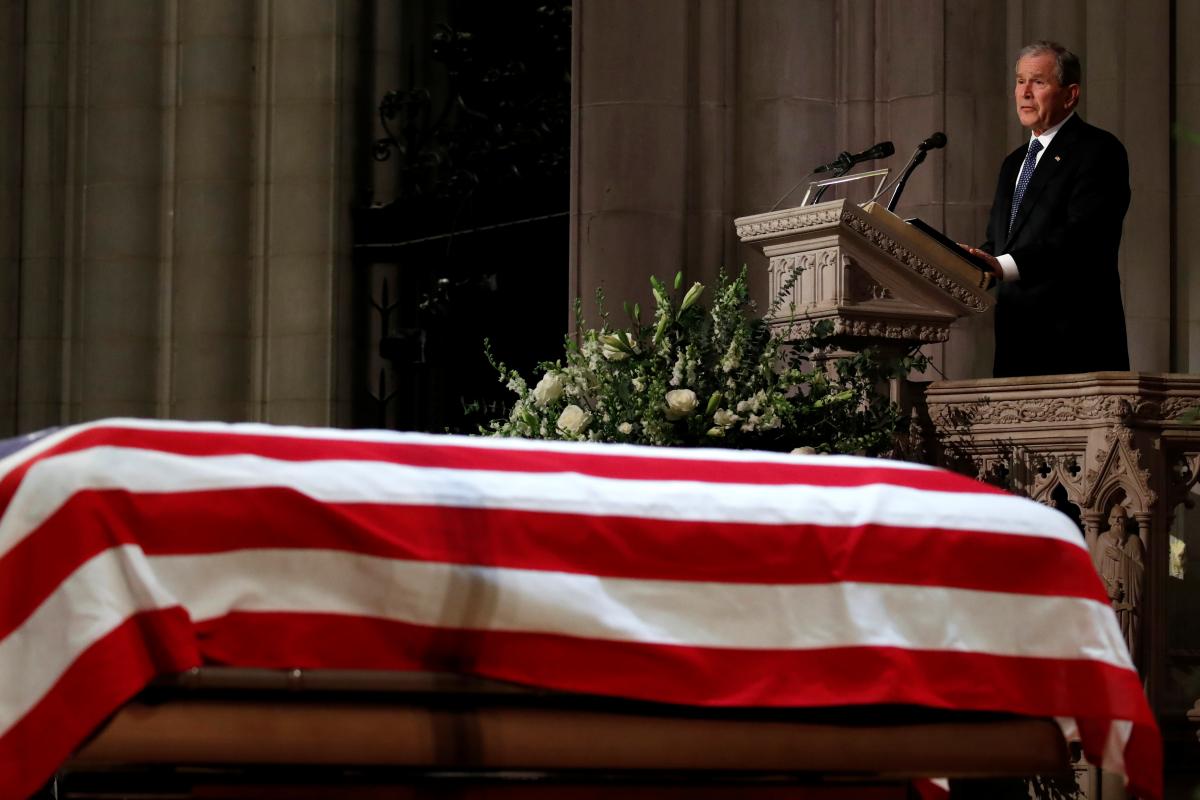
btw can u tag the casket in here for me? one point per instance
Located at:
(181, 600)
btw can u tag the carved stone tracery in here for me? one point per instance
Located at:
(918, 265)
(798, 220)
(1118, 466)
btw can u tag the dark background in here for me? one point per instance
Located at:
(472, 241)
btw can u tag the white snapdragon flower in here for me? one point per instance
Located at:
(680, 403)
(678, 369)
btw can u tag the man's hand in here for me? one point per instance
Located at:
(997, 270)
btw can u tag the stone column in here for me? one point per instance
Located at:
(120, 130)
(1185, 153)
(48, 169)
(787, 113)
(978, 113)
(1127, 76)
(187, 169)
(651, 153)
(212, 201)
(12, 54)
(300, 238)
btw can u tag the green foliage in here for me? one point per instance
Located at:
(714, 376)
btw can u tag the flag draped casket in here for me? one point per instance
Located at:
(131, 549)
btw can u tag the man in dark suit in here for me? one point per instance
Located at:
(1055, 228)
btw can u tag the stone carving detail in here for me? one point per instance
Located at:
(889, 330)
(913, 262)
(1120, 558)
(1174, 407)
(1046, 471)
(1118, 466)
(860, 286)
(874, 329)
(1051, 409)
(785, 274)
(799, 221)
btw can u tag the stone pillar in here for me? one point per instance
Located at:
(1128, 79)
(300, 251)
(48, 168)
(12, 54)
(212, 201)
(786, 115)
(978, 114)
(650, 145)
(1185, 152)
(186, 175)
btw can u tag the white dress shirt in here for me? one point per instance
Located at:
(1007, 263)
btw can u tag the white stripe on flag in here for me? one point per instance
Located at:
(51, 482)
(119, 582)
(697, 613)
(86, 607)
(232, 430)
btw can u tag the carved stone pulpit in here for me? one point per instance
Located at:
(878, 279)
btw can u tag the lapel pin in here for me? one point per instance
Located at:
(1058, 158)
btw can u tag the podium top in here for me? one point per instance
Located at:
(900, 256)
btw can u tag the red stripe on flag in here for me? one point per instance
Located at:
(704, 676)
(610, 546)
(96, 684)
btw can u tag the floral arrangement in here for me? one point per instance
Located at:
(698, 376)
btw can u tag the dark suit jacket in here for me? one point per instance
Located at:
(1065, 314)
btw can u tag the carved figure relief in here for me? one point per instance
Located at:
(1120, 558)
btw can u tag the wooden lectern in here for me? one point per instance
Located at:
(877, 278)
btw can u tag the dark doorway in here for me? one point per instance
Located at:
(473, 242)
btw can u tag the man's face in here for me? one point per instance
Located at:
(1041, 102)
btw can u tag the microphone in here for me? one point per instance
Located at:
(935, 142)
(846, 160)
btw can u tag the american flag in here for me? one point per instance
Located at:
(131, 549)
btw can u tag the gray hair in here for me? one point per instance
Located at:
(1066, 64)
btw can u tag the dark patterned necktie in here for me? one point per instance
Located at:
(1035, 147)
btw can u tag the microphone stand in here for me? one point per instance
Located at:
(839, 172)
(913, 162)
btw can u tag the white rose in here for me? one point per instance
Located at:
(625, 428)
(680, 403)
(725, 418)
(804, 451)
(548, 389)
(573, 419)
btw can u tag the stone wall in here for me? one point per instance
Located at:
(175, 187)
